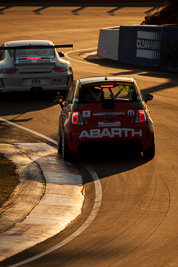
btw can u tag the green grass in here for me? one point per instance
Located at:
(8, 179)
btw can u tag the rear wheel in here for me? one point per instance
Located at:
(66, 152)
(64, 94)
(150, 152)
(59, 146)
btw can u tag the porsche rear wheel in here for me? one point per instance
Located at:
(59, 146)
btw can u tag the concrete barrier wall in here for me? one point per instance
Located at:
(141, 45)
(108, 43)
(169, 48)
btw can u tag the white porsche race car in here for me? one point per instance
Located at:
(33, 65)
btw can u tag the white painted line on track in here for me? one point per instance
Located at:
(91, 217)
(30, 131)
(73, 51)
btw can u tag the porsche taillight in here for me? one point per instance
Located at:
(31, 58)
(76, 118)
(60, 69)
(141, 117)
(8, 71)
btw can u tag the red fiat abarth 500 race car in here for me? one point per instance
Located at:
(104, 109)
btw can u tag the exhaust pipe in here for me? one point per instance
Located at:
(36, 89)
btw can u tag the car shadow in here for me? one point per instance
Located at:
(22, 102)
(113, 159)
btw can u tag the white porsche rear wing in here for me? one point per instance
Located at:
(26, 47)
(34, 47)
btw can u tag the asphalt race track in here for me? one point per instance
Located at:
(136, 224)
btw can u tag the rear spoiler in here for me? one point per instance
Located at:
(35, 47)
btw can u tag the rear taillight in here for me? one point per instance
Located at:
(61, 69)
(8, 71)
(141, 117)
(76, 118)
(31, 58)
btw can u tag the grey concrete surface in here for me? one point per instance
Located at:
(49, 196)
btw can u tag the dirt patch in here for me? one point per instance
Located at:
(8, 179)
(166, 15)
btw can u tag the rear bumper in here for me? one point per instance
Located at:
(28, 89)
(27, 83)
(143, 137)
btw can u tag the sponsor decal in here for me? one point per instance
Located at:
(148, 45)
(76, 99)
(138, 102)
(130, 112)
(76, 103)
(34, 60)
(86, 114)
(113, 132)
(104, 124)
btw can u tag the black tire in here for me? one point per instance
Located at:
(64, 94)
(59, 146)
(66, 152)
(150, 152)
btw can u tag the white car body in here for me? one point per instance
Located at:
(33, 69)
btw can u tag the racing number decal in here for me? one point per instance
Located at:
(125, 88)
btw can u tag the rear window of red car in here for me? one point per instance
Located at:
(107, 91)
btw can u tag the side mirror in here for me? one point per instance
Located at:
(58, 100)
(147, 97)
(61, 54)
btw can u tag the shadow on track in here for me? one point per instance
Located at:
(114, 159)
(130, 69)
(22, 102)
